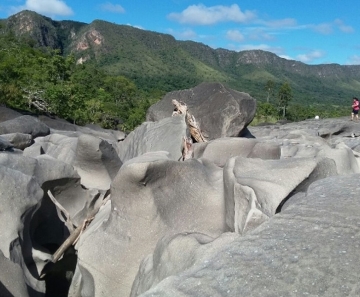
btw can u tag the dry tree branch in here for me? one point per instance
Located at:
(61, 211)
(75, 235)
(194, 128)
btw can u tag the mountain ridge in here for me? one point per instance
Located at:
(150, 58)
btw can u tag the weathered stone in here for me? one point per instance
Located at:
(220, 111)
(26, 125)
(8, 114)
(151, 196)
(12, 282)
(222, 149)
(310, 249)
(18, 140)
(96, 161)
(164, 135)
(5, 145)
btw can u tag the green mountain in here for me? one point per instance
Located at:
(156, 61)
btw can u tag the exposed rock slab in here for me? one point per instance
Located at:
(309, 249)
(151, 196)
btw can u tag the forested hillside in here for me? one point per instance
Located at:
(110, 73)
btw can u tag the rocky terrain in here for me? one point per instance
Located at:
(270, 210)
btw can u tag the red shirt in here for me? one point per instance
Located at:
(356, 105)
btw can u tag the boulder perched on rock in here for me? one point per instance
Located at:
(219, 110)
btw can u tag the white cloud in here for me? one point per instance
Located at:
(311, 56)
(343, 28)
(115, 8)
(235, 35)
(289, 22)
(324, 28)
(260, 34)
(202, 15)
(46, 7)
(353, 60)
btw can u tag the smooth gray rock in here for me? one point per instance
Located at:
(310, 249)
(58, 146)
(152, 196)
(12, 283)
(19, 192)
(8, 114)
(19, 140)
(26, 125)
(255, 188)
(220, 111)
(96, 161)
(169, 259)
(5, 145)
(164, 135)
(222, 149)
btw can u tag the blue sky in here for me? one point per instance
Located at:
(311, 31)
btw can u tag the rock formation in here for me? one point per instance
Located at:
(272, 213)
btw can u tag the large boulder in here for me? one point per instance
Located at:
(219, 110)
(18, 140)
(8, 114)
(25, 124)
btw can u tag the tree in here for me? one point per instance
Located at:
(284, 97)
(269, 87)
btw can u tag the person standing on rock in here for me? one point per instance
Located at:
(355, 109)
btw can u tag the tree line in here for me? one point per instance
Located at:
(279, 104)
(44, 81)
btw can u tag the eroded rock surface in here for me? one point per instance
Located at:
(266, 212)
(311, 248)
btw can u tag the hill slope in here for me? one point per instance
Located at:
(158, 61)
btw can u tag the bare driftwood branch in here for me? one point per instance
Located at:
(74, 236)
(62, 212)
(194, 128)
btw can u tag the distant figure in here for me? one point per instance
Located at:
(317, 117)
(355, 109)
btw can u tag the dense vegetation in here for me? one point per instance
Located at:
(128, 69)
(44, 81)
